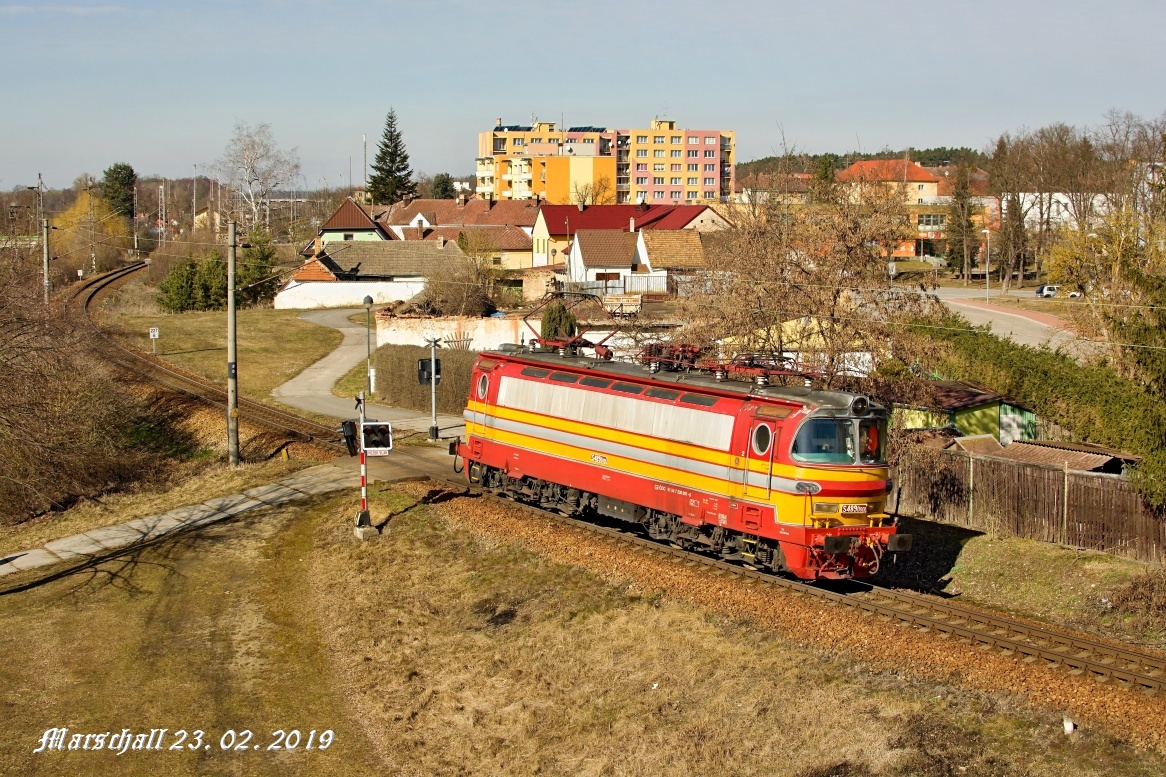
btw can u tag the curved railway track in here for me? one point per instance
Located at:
(1077, 653)
(294, 427)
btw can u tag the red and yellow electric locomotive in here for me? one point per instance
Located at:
(785, 478)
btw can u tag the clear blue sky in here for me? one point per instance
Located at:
(159, 85)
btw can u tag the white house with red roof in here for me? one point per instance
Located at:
(557, 225)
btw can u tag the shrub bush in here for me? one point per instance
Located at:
(397, 385)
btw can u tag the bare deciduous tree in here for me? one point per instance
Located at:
(599, 192)
(254, 166)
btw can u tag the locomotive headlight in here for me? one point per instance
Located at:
(807, 487)
(825, 507)
(859, 406)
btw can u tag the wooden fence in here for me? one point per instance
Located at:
(1033, 501)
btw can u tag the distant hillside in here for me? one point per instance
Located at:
(809, 163)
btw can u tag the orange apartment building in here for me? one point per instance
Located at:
(661, 164)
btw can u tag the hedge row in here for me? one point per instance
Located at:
(397, 385)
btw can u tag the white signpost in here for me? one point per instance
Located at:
(154, 339)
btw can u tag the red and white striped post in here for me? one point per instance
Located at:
(362, 518)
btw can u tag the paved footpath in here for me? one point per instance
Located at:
(344, 473)
(312, 389)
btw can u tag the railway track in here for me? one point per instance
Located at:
(294, 427)
(1075, 653)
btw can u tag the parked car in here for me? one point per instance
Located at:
(1074, 294)
(1047, 291)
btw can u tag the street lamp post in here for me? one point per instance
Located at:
(987, 261)
(368, 342)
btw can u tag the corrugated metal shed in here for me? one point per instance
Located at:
(1076, 456)
(978, 443)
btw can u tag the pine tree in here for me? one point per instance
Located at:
(117, 184)
(961, 234)
(442, 187)
(392, 178)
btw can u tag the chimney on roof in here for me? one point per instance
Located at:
(489, 203)
(498, 122)
(420, 230)
(631, 223)
(440, 242)
(581, 206)
(461, 199)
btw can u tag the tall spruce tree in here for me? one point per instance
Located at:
(961, 232)
(117, 185)
(392, 178)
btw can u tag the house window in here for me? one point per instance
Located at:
(676, 153)
(641, 152)
(517, 141)
(658, 153)
(693, 195)
(658, 139)
(536, 140)
(641, 138)
(710, 154)
(710, 181)
(710, 141)
(348, 236)
(692, 153)
(920, 187)
(675, 182)
(659, 168)
(693, 140)
(642, 180)
(588, 140)
(710, 168)
(710, 195)
(676, 168)
(932, 220)
(676, 140)
(657, 195)
(693, 168)
(553, 140)
(658, 180)
(641, 167)
(694, 182)
(676, 195)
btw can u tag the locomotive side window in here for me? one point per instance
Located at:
(564, 377)
(871, 442)
(699, 399)
(595, 382)
(483, 384)
(535, 372)
(762, 437)
(824, 441)
(659, 393)
(628, 388)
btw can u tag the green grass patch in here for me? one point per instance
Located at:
(273, 345)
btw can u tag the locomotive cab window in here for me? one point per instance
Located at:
(871, 441)
(762, 437)
(483, 384)
(824, 441)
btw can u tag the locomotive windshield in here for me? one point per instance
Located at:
(839, 441)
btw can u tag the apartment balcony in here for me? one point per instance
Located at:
(507, 177)
(524, 176)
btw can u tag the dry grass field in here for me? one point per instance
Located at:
(274, 345)
(435, 651)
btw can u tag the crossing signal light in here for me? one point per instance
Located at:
(425, 375)
(377, 437)
(348, 431)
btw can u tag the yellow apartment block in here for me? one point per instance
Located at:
(660, 164)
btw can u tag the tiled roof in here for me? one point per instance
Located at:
(564, 219)
(450, 213)
(606, 247)
(673, 249)
(350, 216)
(893, 170)
(352, 260)
(977, 180)
(500, 238)
(313, 270)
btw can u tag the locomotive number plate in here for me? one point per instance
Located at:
(598, 458)
(854, 509)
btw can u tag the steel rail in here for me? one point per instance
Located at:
(1083, 656)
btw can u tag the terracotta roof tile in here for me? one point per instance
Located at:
(561, 219)
(504, 238)
(673, 249)
(350, 215)
(893, 170)
(362, 259)
(606, 247)
(449, 213)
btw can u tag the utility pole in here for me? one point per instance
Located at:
(232, 367)
(134, 223)
(44, 241)
(364, 142)
(433, 343)
(92, 250)
(193, 200)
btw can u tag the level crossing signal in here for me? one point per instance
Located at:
(425, 374)
(377, 438)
